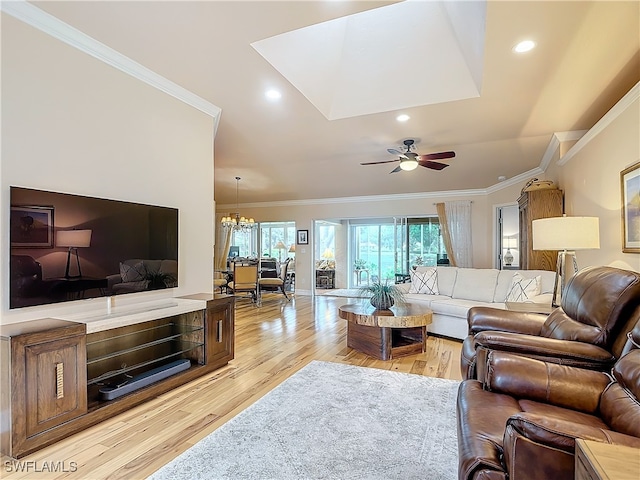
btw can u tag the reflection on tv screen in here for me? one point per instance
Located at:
(67, 247)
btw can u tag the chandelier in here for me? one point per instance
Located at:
(235, 221)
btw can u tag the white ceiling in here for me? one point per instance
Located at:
(587, 58)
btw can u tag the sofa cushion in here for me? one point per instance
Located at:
(424, 282)
(523, 289)
(424, 299)
(475, 284)
(135, 272)
(459, 307)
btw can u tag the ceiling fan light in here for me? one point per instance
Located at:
(408, 165)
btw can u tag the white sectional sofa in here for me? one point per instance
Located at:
(459, 289)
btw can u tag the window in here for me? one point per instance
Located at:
(325, 246)
(246, 241)
(425, 242)
(271, 234)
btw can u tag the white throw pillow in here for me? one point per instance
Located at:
(425, 281)
(523, 289)
(133, 273)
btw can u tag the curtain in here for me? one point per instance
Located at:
(455, 218)
(446, 236)
(221, 248)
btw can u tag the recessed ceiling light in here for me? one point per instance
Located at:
(403, 118)
(524, 46)
(273, 94)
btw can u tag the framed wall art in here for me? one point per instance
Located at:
(31, 227)
(303, 237)
(630, 189)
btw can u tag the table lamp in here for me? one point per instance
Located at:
(73, 239)
(565, 234)
(280, 246)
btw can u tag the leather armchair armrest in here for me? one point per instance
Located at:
(556, 351)
(495, 319)
(523, 377)
(560, 434)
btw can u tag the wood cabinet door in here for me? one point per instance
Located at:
(220, 329)
(56, 378)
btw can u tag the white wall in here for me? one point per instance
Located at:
(589, 173)
(73, 124)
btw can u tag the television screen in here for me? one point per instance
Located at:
(68, 247)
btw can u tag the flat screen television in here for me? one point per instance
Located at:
(67, 247)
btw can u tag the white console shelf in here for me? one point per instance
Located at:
(121, 316)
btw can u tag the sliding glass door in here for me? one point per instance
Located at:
(386, 249)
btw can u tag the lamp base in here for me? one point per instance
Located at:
(66, 271)
(562, 275)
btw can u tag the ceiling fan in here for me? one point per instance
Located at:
(410, 160)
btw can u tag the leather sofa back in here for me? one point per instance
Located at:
(599, 306)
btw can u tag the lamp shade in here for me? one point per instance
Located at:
(292, 248)
(327, 254)
(566, 233)
(280, 246)
(73, 238)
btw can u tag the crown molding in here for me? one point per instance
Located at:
(617, 110)
(518, 179)
(47, 23)
(361, 199)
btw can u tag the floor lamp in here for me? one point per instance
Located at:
(73, 239)
(565, 234)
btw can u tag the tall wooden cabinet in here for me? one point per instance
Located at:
(532, 206)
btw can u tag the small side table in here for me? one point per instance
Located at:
(358, 273)
(600, 461)
(325, 278)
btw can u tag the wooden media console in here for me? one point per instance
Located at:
(66, 374)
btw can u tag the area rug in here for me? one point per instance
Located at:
(345, 292)
(334, 421)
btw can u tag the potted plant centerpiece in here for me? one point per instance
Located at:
(383, 295)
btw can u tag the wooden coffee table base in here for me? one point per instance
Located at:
(385, 343)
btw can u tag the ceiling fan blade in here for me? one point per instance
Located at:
(436, 156)
(397, 169)
(432, 165)
(384, 161)
(393, 151)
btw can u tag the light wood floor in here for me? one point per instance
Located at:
(272, 342)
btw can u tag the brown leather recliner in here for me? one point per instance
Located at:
(522, 422)
(599, 307)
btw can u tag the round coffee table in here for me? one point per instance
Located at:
(385, 334)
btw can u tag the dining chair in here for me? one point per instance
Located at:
(245, 280)
(277, 283)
